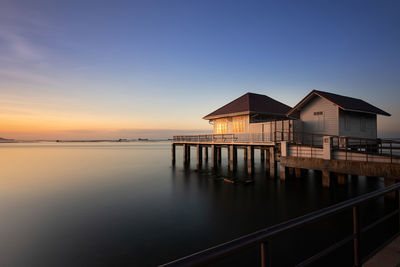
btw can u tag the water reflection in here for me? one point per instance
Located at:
(113, 204)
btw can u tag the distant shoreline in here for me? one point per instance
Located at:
(11, 141)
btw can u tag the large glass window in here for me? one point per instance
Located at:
(221, 126)
(239, 125)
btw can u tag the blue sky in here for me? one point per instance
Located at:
(99, 69)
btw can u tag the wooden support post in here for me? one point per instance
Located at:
(229, 154)
(341, 178)
(188, 154)
(232, 158)
(262, 156)
(297, 172)
(291, 171)
(199, 156)
(267, 160)
(219, 152)
(206, 154)
(245, 155)
(185, 152)
(282, 171)
(173, 150)
(326, 178)
(250, 159)
(272, 163)
(213, 157)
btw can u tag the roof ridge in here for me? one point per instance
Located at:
(251, 102)
(344, 102)
(325, 92)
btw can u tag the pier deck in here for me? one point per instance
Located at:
(341, 156)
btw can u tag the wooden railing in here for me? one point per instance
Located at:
(263, 237)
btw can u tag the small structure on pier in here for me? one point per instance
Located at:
(325, 132)
(332, 114)
(251, 113)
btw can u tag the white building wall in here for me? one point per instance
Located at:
(356, 124)
(330, 114)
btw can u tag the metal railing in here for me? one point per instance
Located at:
(227, 138)
(263, 237)
(381, 147)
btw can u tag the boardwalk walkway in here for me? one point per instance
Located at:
(389, 256)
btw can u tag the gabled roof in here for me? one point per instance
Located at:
(344, 102)
(250, 103)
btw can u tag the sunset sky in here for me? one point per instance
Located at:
(128, 69)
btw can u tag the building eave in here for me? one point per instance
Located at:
(241, 114)
(362, 111)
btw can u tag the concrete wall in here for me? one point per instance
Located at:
(356, 124)
(330, 120)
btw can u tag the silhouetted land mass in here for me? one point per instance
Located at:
(5, 140)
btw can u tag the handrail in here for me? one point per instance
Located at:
(366, 146)
(262, 236)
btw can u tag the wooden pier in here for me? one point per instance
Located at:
(334, 156)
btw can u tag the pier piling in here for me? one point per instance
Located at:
(213, 156)
(173, 150)
(219, 152)
(341, 178)
(186, 154)
(262, 156)
(272, 163)
(250, 159)
(232, 158)
(297, 172)
(282, 171)
(199, 156)
(326, 178)
(267, 161)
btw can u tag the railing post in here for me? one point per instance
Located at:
(397, 198)
(356, 232)
(265, 254)
(327, 147)
(391, 155)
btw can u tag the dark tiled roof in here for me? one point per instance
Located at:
(251, 103)
(344, 102)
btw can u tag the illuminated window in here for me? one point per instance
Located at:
(239, 125)
(221, 126)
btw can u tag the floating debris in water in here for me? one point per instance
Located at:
(229, 181)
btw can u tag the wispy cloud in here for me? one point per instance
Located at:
(18, 47)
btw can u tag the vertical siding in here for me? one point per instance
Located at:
(354, 123)
(330, 115)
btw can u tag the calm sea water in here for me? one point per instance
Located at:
(122, 204)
